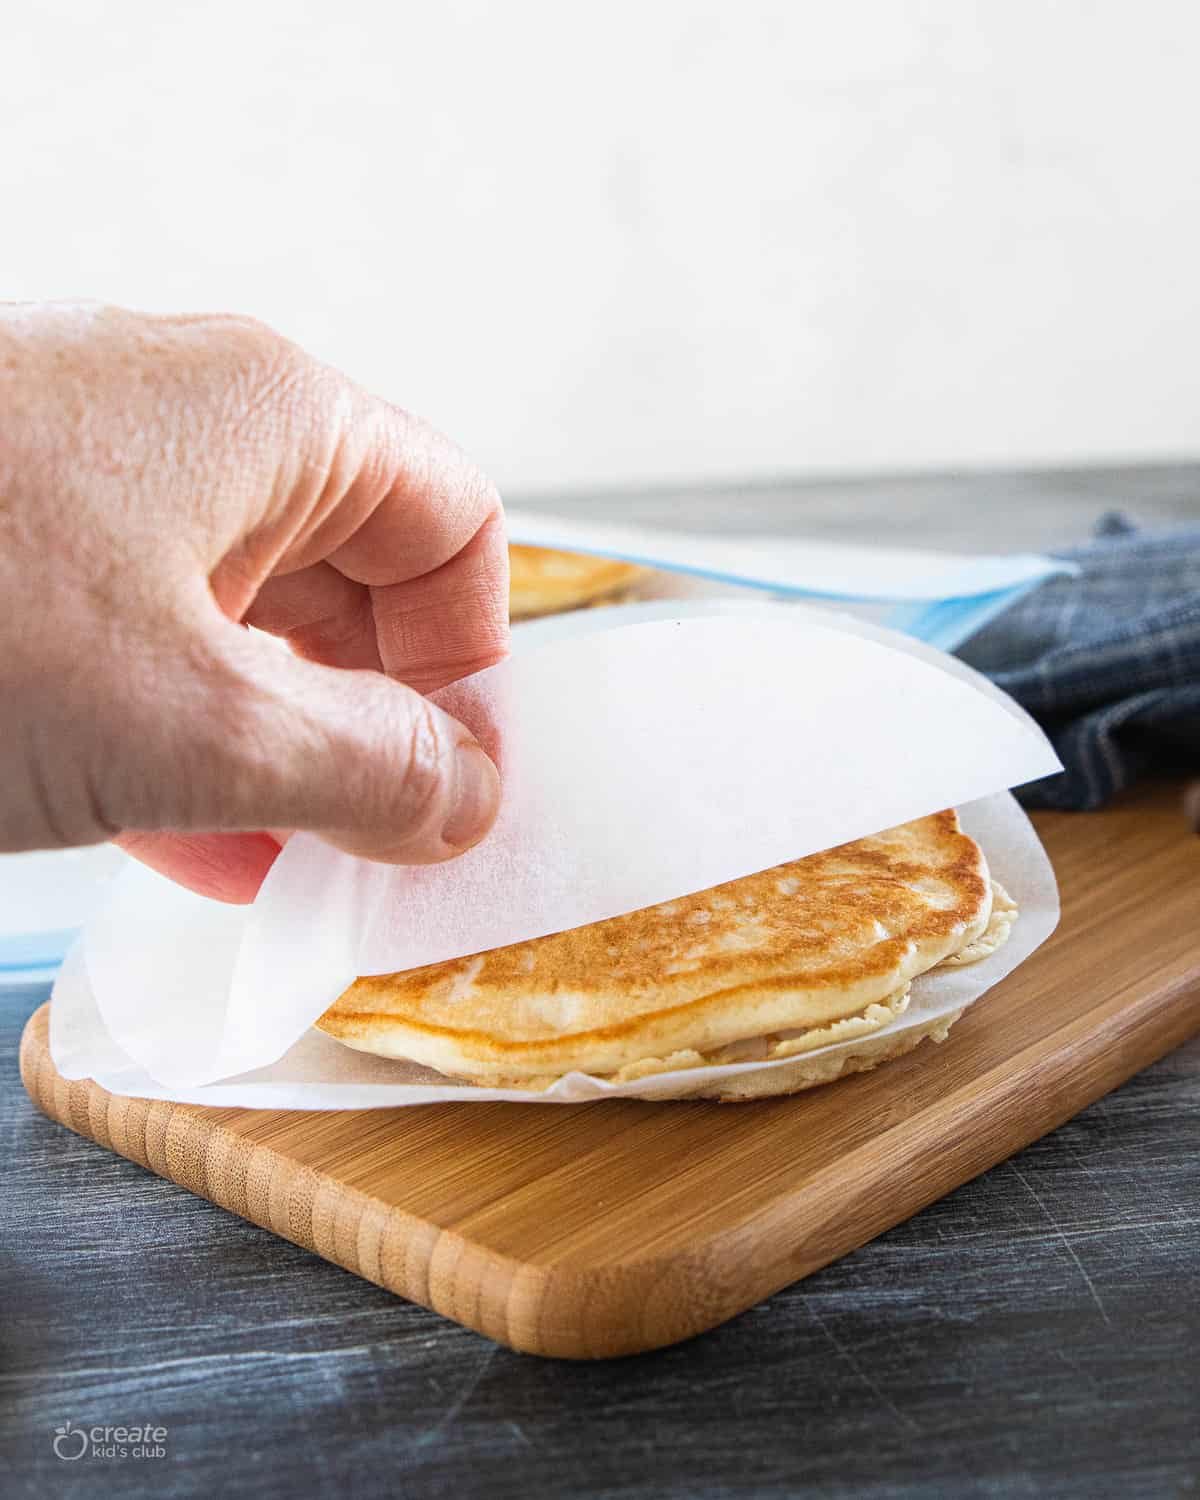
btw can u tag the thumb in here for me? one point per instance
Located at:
(274, 741)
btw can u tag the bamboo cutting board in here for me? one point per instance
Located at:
(602, 1229)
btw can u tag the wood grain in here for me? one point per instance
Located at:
(600, 1230)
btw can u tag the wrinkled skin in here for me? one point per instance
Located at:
(165, 482)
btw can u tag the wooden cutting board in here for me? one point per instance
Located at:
(602, 1229)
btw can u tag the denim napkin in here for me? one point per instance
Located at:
(1107, 661)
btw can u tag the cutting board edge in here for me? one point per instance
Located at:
(627, 1308)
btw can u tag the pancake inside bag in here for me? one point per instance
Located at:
(544, 581)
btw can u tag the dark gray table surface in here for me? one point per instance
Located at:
(1035, 1333)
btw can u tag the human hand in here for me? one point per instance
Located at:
(164, 481)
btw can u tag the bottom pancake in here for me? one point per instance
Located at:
(811, 1072)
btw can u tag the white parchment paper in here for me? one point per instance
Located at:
(644, 756)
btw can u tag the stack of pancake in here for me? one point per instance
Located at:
(771, 966)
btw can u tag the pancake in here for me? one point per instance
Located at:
(545, 582)
(810, 1073)
(772, 965)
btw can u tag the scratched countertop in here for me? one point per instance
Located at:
(1034, 1333)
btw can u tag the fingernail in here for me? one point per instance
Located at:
(476, 797)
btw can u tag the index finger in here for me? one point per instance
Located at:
(413, 531)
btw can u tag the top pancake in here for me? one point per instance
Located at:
(796, 946)
(543, 582)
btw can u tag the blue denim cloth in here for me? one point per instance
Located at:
(1108, 662)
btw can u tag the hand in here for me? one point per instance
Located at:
(163, 483)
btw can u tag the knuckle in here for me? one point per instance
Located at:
(244, 763)
(262, 366)
(220, 754)
(63, 762)
(249, 336)
(478, 496)
(272, 365)
(420, 789)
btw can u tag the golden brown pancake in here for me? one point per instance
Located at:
(545, 582)
(772, 965)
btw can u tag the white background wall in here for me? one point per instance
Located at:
(658, 240)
